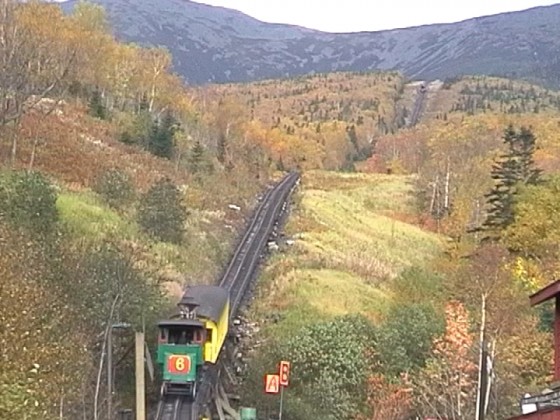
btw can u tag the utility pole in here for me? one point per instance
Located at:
(482, 366)
(140, 383)
(110, 373)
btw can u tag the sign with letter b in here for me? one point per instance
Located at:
(284, 373)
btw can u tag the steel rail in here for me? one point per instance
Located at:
(253, 255)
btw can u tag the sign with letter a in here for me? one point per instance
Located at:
(271, 384)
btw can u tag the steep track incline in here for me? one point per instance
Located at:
(418, 105)
(236, 279)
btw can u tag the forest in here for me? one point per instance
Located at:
(115, 184)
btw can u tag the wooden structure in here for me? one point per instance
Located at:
(546, 406)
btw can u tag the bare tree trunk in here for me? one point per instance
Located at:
(13, 153)
(434, 193)
(446, 197)
(491, 376)
(32, 158)
(479, 391)
(152, 95)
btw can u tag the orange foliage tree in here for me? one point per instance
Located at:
(446, 387)
(387, 401)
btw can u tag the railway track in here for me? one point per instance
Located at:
(176, 408)
(246, 258)
(418, 105)
(236, 279)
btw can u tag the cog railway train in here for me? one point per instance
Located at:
(192, 338)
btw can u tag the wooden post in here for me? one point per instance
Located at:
(140, 383)
(110, 373)
(550, 292)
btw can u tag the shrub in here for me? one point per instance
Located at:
(406, 337)
(116, 188)
(28, 201)
(331, 361)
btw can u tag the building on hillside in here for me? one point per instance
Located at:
(546, 406)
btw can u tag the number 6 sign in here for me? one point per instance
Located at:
(178, 364)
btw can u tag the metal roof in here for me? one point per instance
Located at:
(547, 293)
(212, 300)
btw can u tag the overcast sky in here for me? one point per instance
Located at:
(371, 15)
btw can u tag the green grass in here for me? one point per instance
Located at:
(350, 244)
(87, 217)
(198, 260)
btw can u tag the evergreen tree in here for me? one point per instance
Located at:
(96, 107)
(196, 158)
(160, 141)
(161, 213)
(515, 167)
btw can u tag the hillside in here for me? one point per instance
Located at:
(322, 121)
(212, 44)
(332, 273)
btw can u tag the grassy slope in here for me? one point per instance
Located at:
(198, 260)
(75, 149)
(348, 246)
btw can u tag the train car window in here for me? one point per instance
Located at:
(208, 335)
(182, 338)
(163, 333)
(173, 336)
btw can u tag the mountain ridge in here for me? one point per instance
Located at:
(212, 44)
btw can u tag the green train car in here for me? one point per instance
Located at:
(192, 338)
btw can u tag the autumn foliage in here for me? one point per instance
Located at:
(445, 388)
(387, 401)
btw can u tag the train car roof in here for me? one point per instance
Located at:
(180, 323)
(211, 299)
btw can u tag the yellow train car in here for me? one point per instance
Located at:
(212, 309)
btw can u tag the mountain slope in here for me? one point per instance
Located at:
(214, 44)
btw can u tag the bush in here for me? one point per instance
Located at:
(116, 188)
(28, 201)
(331, 361)
(334, 359)
(406, 337)
(161, 214)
